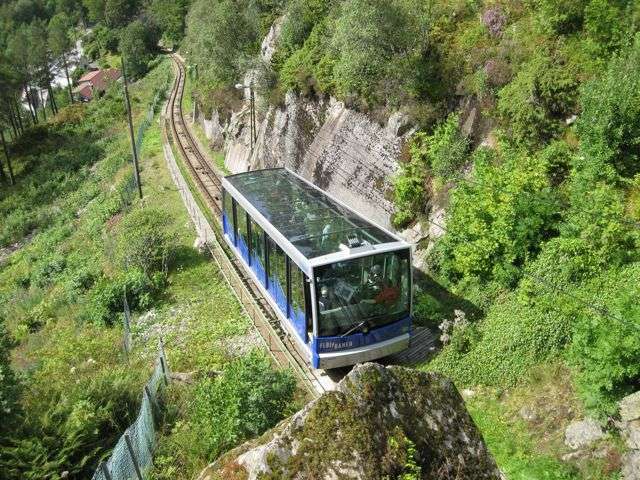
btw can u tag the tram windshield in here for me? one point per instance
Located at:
(358, 295)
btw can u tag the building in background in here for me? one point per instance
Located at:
(94, 83)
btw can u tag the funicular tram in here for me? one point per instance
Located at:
(340, 284)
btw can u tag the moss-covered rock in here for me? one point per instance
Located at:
(381, 423)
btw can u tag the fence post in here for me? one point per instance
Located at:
(152, 400)
(134, 460)
(162, 364)
(127, 326)
(105, 470)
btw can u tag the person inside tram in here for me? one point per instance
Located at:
(374, 283)
(325, 301)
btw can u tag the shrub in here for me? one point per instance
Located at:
(247, 399)
(310, 69)
(538, 100)
(137, 44)
(609, 126)
(106, 297)
(606, 343)
(301, 16)
(441, 153)
(145, 240)
(220, 34)
(498, 221)
(427, 310)
(369, 40)
(516, 335)
(9, 387)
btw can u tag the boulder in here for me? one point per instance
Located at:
(582, 433)
(379, 423)
(631, 465)
(629, 407)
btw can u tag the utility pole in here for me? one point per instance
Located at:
(133, 140)
(252, 111)
(253, 116)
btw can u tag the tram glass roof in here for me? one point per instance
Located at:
(314, 223)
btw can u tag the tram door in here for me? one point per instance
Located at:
(297, 309)
(277, 274)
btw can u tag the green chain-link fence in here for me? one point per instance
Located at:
(132, 457)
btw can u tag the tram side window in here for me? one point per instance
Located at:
(257, 249)
(277, 274)
(296, 301)
(241, 218)
(228, 212)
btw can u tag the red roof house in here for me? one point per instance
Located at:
(96, 82)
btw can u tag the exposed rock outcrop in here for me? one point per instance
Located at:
(380, 423)
(582, 433)
(629, 426)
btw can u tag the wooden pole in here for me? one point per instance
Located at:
(66, 72)
(6, 154)
(133, 140)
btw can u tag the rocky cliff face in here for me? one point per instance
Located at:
(380, 423)
(336, 148)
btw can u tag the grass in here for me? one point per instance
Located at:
(46, 288)
(524, 429)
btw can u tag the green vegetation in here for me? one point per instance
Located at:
(538, 172)
(242, 403)
(66, 389)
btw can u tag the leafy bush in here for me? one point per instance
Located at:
(137, 44)
(541, 96)
(498, 221)
(301, 16)
(219, 36)
(106, 297)
(80, 399)
(9, 387)
(145, 240)
(370, 39)
(609, 126)
(605, 346)
(247, 399)
(441, 153)
(445, 150)
(310, 69)
(516, 334)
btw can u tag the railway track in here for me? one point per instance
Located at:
(264, 319)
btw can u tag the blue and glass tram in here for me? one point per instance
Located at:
(340, 284)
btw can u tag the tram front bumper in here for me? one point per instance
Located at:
(343, 358)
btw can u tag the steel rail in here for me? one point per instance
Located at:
(263, 318)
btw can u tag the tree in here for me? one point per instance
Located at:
(373, 44)
(609, 126)
(169, 15)
(18, 55)
(40, 60)
(60, 44)
(95, 9)
(219, 35)
(137, 43)
(118, 12)
(499, 221)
